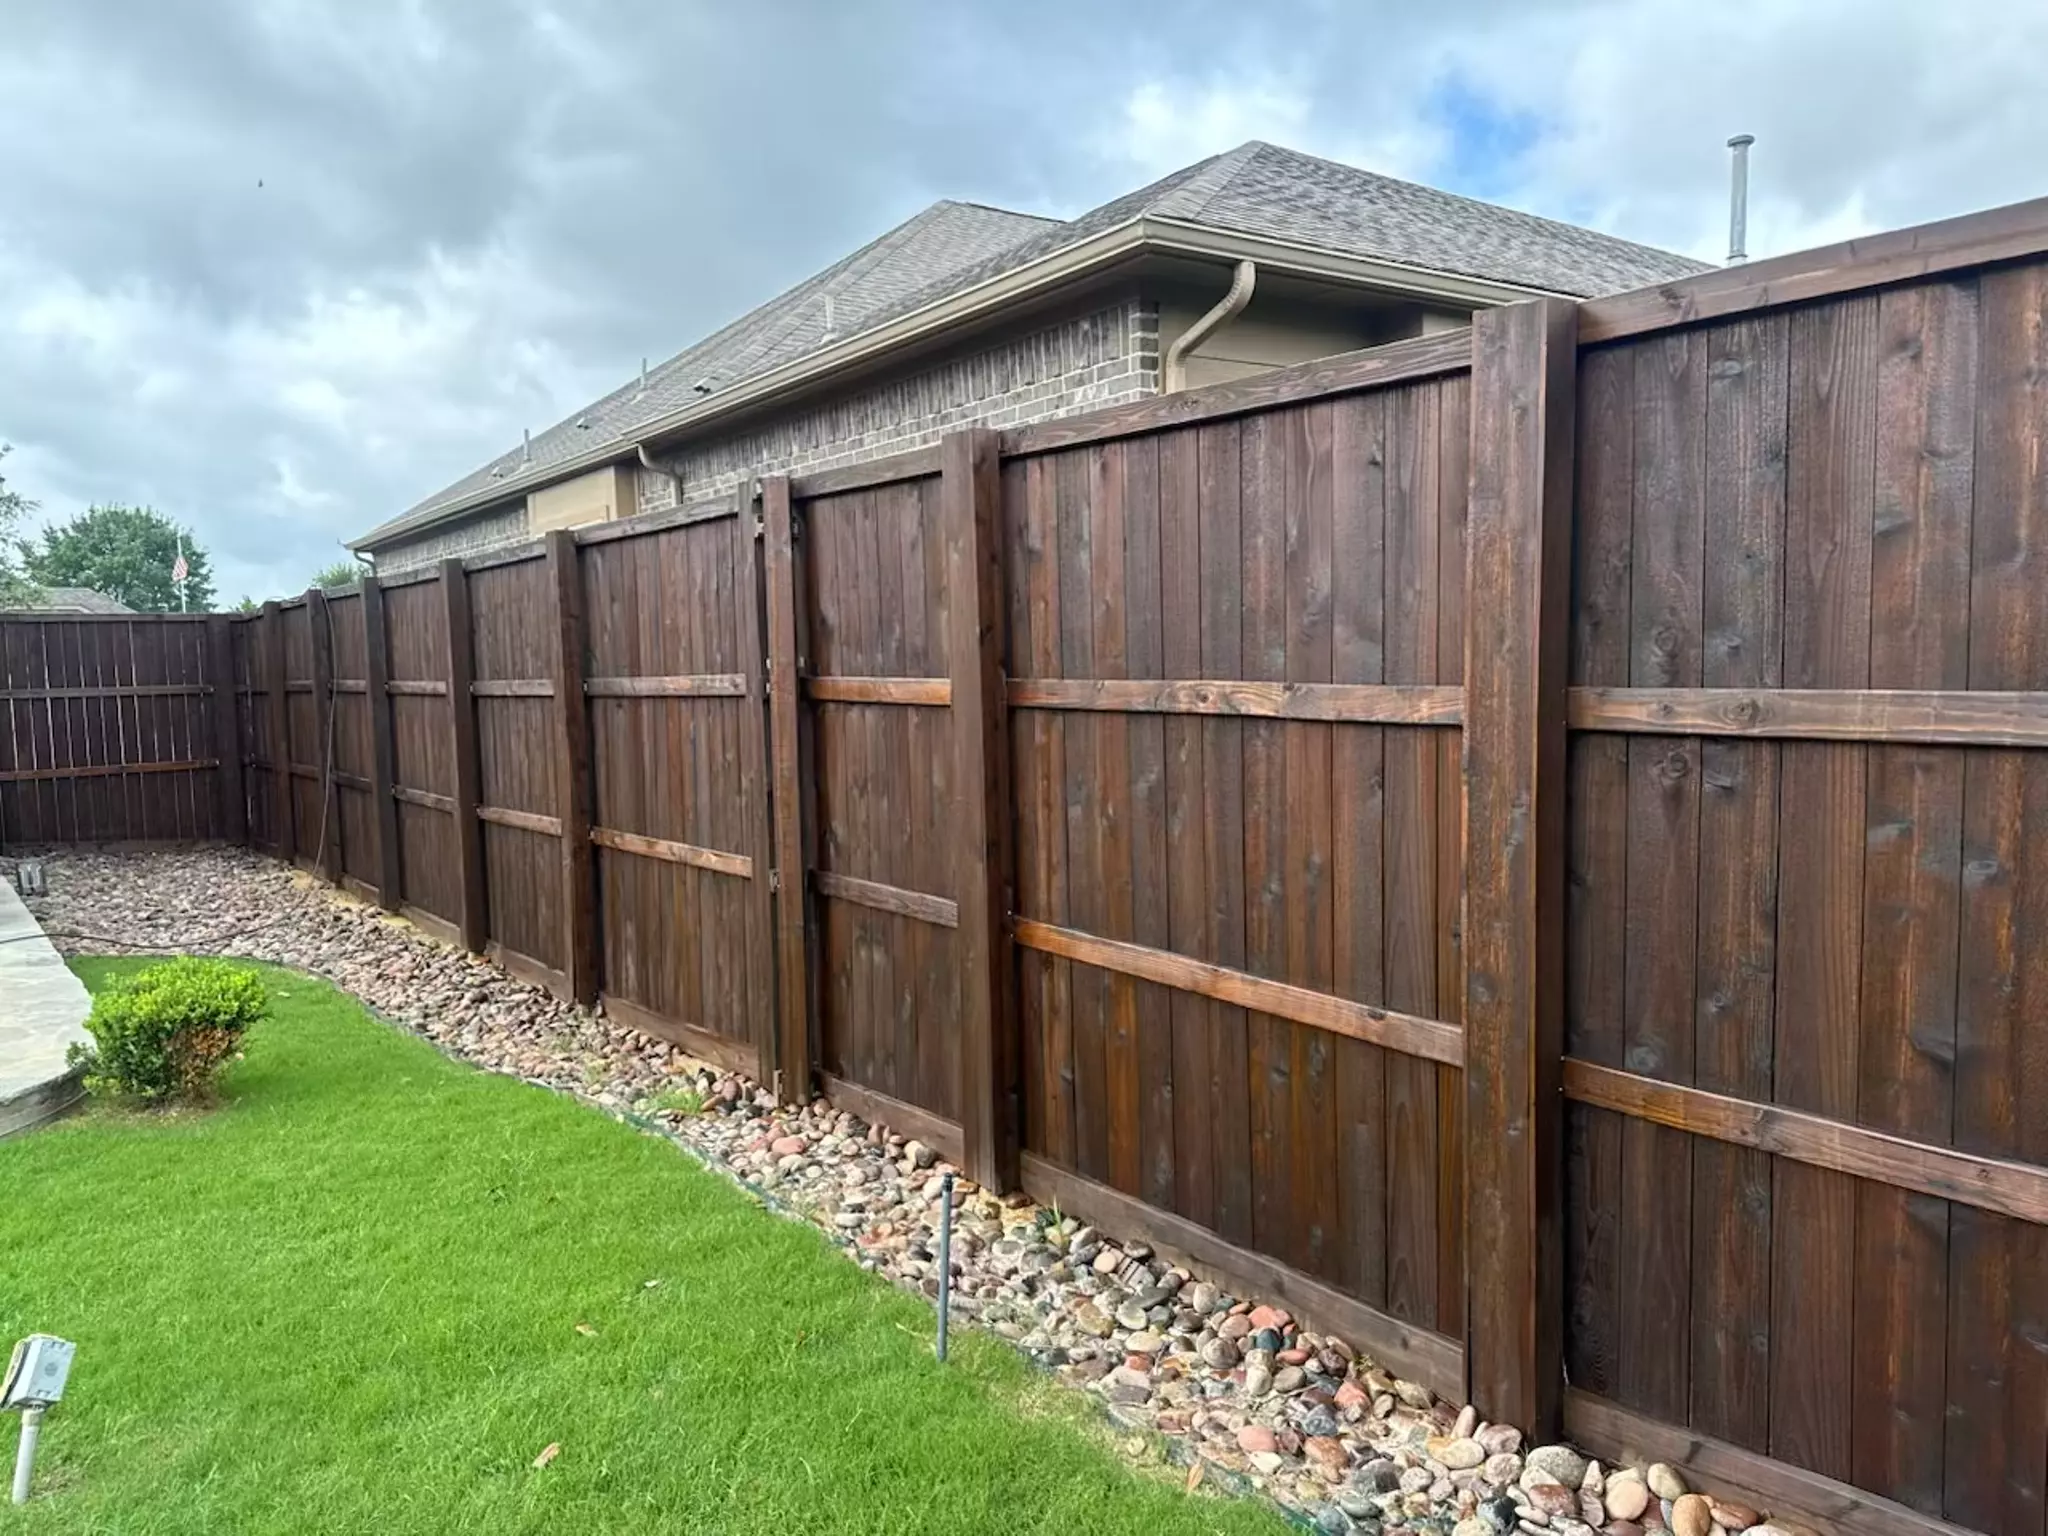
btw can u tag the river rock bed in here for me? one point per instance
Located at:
(1239, 1394)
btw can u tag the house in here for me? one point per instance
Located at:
(61, 600)
(968, 315)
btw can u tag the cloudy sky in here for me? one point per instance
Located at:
(283, 267)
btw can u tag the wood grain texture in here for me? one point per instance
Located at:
(513, 688)
(705, 685)
(572, 768)
(466, 789)
(879, 690)
(1867, 262)
(787, 731)
(1427, 1039)
(671, 852)
(976, 600)
(887, 898)
(1992, 1184)
(1900, 715)
(1518, 553)
(384, 759)
(1352, 703)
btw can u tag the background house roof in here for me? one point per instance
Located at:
(74, 600)
(1256, 189)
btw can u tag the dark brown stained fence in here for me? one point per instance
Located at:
(114, 730)
(871, 575)
(259, 668)
(1640, 1027)
(1812, 570)
(354, 802)
(423, 750)
(1236, 650)
(674, 693)
(520, 801)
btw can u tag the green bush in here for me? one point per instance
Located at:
(165, 1033)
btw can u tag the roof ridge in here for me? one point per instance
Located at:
(1209, 178)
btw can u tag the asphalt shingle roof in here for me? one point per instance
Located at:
(1257, 189)
(74, 600)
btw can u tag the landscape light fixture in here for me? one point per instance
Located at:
(34, 1380)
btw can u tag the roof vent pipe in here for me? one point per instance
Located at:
(1174, 371)
(643, 378)
(1738, 198)
(526, 446)
(831, 330)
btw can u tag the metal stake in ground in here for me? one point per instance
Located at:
(945, 1258)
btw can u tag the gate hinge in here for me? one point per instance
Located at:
(774, 879)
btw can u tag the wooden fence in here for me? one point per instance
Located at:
(1528, 845)
(117, 730)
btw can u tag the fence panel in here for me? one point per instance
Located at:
(886, 986)
(1238, 649)
(680, 814)
(1778, 514)
(429, 863)
(520, 804)
(353, 749)
(110, 730)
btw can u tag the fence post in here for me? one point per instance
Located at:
(282, 797)
(1517, 607)
(789, 750)
(572, 769)
(227, 729)
(970, 501)
(466, 788)
(750, 620)
(321, 627)
(383, 752)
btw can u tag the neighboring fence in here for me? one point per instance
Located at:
(1530, 846)
(117, 730)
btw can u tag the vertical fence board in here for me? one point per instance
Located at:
(383, 758)
(1518, 553)
(792, 1054)
(972, 502)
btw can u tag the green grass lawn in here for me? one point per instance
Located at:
(349, 1298)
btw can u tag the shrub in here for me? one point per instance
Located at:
(166, 1032)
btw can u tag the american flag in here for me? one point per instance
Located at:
(180, 570)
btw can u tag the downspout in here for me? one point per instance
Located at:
(675, 481)
(1174, 371)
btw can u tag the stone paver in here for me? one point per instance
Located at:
(42, 1014)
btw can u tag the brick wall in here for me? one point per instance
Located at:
(1105, 357)
(489, 529)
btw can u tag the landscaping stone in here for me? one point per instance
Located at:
(1236, 1384)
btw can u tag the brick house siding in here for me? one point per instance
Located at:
(1106, 356)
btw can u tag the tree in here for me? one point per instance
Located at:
(125, 552)
(15, 587)
(343, 573)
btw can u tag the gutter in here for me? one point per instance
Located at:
(1140, 236)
